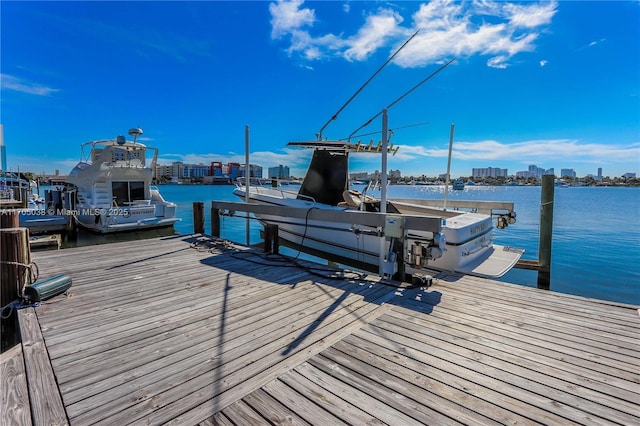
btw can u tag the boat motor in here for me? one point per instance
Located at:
(421, 251)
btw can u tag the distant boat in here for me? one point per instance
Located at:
(12, 187)
(114, 191)
(458, 184)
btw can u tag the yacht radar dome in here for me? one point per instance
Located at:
(121, 140)
(135, 132)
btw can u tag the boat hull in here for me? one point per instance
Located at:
(102, 220)
(469, 245)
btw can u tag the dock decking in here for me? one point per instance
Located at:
(165, 331)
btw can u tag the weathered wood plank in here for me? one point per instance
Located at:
(240, 413)
(309, 410)
(498, 387)
(329, 401)
(558, 353)
(410, 390)
(203, 371)
(333, 327)
(353, 396)
(242, 332)
(570, 389)
(273, 410)
(46, 402)
(14, 404)
(525, 348)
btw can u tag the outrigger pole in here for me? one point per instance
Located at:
(401, 97)
(335, 116)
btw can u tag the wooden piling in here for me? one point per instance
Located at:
(215, 222)
(546, 231)
(198, 217)
(271, 242)
(15, 256)
(9, 219)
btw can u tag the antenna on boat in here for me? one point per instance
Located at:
(135, 132)
(335, 116)
(401, 97)
(390, 130)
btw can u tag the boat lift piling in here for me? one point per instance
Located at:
(446, 185)
(198, 217)
(247, 174)
(383, 199)
(543, 265)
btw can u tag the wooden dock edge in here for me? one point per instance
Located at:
(14, 407)
(44, 394)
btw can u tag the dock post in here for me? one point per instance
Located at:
(271, 242)
(546, 232)
(9, 218)
(215, 221)
(198, 217)
(15, 258)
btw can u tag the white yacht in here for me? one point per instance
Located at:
(114, 192)
(464, 244)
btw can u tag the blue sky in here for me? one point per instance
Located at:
(551, 83)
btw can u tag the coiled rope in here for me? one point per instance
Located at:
(31, 274)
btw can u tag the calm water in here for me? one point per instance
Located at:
(596, 232)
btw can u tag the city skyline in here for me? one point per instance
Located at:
(533, 171)
(548, 83)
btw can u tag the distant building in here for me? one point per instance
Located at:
(164, 171)
(180, 170)
(195, 171)
(599, 176)
(255, 171)
(215, 169)
(279, 172)
(567, 173)
(359, 176)
(534, 172)
(525, 174)
(395, 175)
(485, 172)
(233, 170)
(629, 175)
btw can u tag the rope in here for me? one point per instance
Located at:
(215, 246)
(16, 304)
(31, 274)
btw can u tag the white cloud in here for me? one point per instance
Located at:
(447, 28)
(372, 35)
(10, 82)
(529, 15)
(286, 17)
(529, 151)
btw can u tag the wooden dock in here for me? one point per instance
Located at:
(166, 331)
